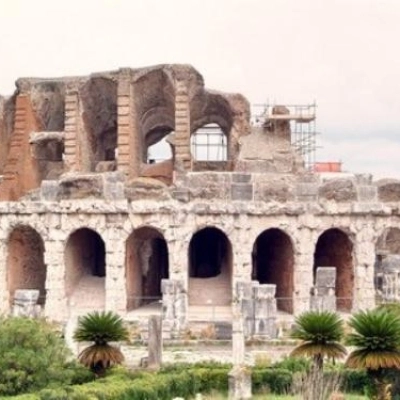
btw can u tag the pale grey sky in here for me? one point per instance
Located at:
(344, 54)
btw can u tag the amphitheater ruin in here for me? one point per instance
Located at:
(230, 217)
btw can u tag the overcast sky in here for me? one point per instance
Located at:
(344, 54)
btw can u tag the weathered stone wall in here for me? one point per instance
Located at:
(242, 222)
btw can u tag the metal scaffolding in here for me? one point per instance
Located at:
(302, 125)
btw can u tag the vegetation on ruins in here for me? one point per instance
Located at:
(34, 356)
(101, 328)
(376, 339)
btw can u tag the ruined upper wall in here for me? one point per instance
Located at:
(107, 121)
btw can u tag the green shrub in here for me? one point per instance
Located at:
(33, 356)
(354, 381)
(293, 364)
(276, 380)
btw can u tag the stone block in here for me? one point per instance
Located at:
(240, 383)
(49, 190)
(367, 193)
(340, 190)
(242, 191)
(325, 277)
(241, 178)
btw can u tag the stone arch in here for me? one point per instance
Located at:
(147, 263)
(85, 269)
(99, 100)
(273, 263)
(335, 249)
(26, 268)
(210, 267)
(155, 108)
(387, 265)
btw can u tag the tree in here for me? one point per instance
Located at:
(320, 333)
(376, 338)
(33, 356)
(100, 328)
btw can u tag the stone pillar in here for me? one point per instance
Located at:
(129, 138)
(240, 375)
(72, 148)
(306, 240)
(56, 307)
(182, 127)
(323, 296)
(265, 310)
(364, 287)
(4, 303)
(155, 342)
(257, 305)
(174, 306)
(115, 290)
(245, 303)
(25, 303)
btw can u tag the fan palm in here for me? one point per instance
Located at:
(100, 328)
(320, 333)
(376, 338)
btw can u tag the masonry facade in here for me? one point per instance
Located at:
(90, 221)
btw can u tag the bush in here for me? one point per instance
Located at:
(275, 380)
(33, 356)
(293, 364)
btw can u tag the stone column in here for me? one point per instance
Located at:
(182, 127)
(306, 240)
(364, 265)
(155, 343)
(175, 310)
(265, 311)
(4, 303)
(116, 297)
(129, 139)
(56, 307)
(323, 296)
(240, 375)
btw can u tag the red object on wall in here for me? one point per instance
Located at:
(328, 166)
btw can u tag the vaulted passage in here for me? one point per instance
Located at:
(146, 266)
(85, 265)
(25, 262)
(210, 268)
(273, 262)
(335, 249)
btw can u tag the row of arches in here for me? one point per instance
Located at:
(210, 264)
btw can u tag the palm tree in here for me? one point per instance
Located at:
(320, 333)
(376, 338)
(100, 328)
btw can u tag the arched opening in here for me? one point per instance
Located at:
(159, 152)
(273, 263)
(146, 265)
(25, 262)
(210, 268)
(99, 99)
(209, 143)
(335, 249)
(85, 263)
(387, 266)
